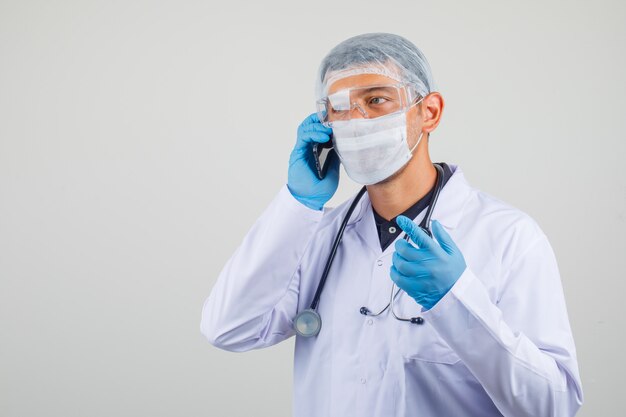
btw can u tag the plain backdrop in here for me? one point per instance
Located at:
(140, 140)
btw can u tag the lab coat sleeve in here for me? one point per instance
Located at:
(520, 346)
(255, 297)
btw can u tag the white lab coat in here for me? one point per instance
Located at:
(498, 343)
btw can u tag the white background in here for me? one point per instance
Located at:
(139, 140)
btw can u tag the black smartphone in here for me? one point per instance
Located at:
(321, 153)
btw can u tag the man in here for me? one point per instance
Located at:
(480, 327)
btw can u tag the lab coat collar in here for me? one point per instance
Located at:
(448, 210)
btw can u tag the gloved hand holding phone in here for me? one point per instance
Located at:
(303, 179)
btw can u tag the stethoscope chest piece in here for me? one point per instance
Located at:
(308, 323)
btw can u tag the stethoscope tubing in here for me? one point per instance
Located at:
(424, 225)
(333, 250)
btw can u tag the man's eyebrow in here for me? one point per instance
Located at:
(380, 87)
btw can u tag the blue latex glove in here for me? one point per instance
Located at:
(427, 272)
(302, 179)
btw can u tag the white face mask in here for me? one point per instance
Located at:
(372, 150)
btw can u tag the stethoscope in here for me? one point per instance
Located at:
(308, 322)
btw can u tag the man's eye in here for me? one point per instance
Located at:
(378, 100)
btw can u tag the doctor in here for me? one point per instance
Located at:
(490, 334)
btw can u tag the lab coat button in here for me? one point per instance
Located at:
(379, 263)
(370, 322)
(363, 380)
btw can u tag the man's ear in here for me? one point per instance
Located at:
(431, 110)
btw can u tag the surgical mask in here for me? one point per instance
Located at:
(372, 150)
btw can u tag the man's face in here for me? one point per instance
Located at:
(413, 116)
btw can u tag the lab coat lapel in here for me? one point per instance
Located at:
(366, 227)
(452, 199)
(448, 210)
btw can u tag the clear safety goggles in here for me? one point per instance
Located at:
(369, 102)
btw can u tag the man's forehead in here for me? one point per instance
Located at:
(359, 80)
